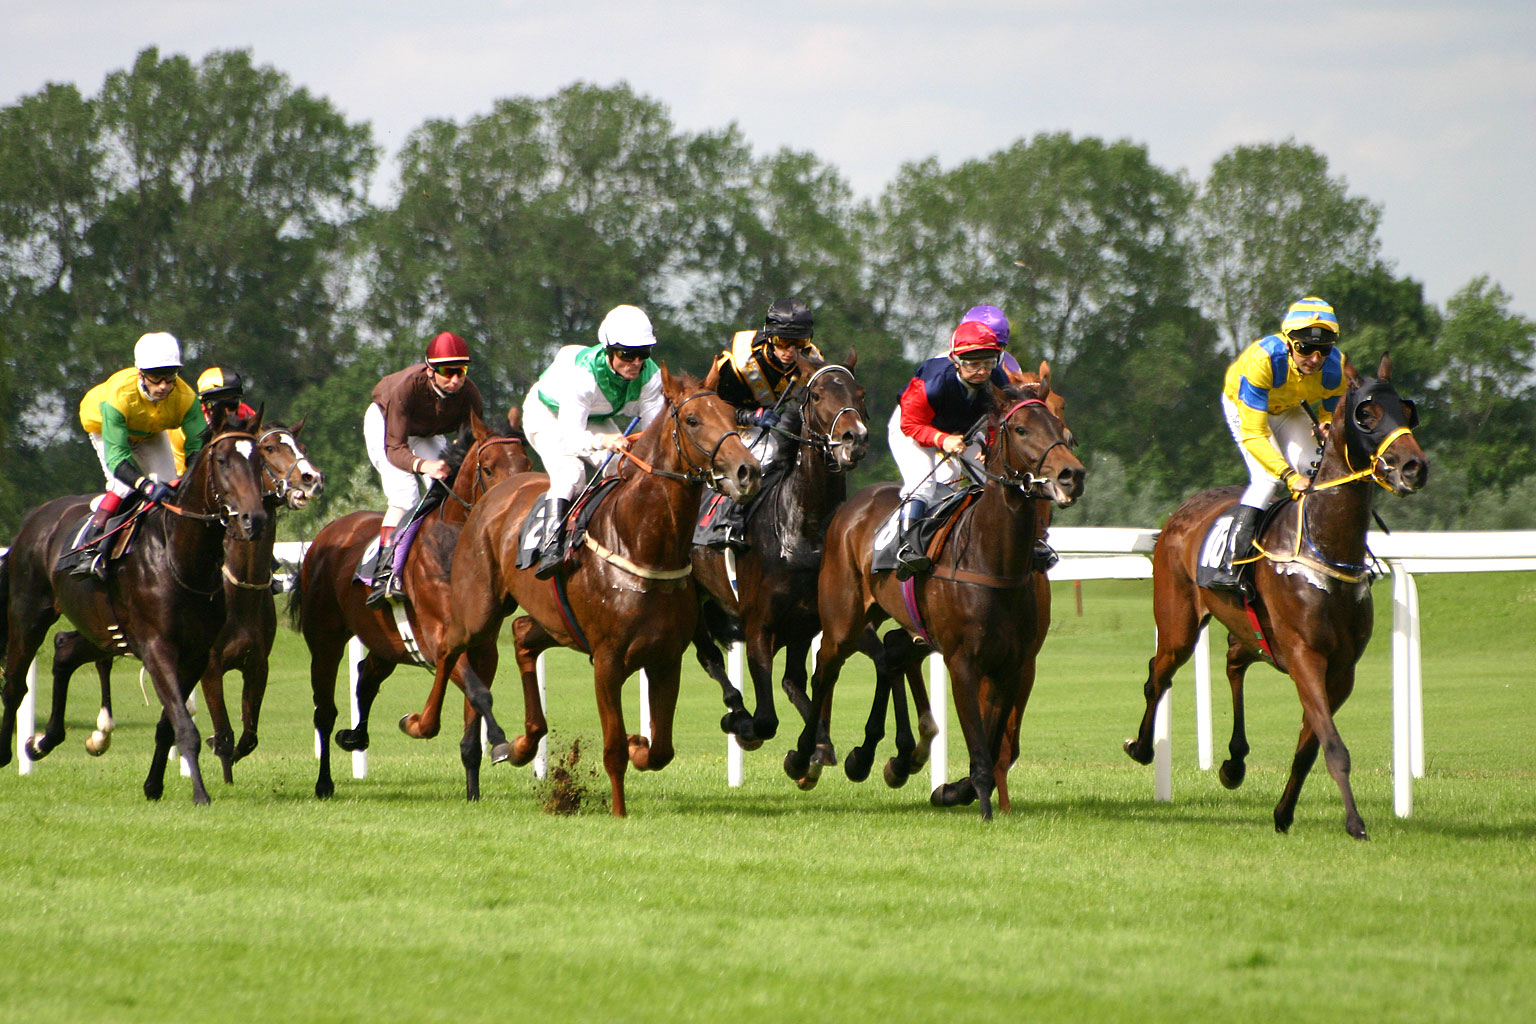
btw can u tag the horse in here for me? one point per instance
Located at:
(773, 602)
(977, 606)
(1312, 605)
(629, 604)
(162, 602)
(329, 607)
(288, 479)
(903, 657)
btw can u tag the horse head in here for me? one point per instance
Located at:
(1031, 447)
(479, 458)
(1378, 431)
(704, 435)
(833, 413)
(286, 471)
(224, 481)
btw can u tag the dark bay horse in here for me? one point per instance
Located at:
(330, 605)
(629, 603)
(774, 601)
(289, 480)
(977, 607)
(1313, 587)
(903, 656)
(162, 602)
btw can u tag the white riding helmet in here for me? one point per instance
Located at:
(626, 327)
(157, 351)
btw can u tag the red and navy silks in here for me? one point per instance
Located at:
(937, 402)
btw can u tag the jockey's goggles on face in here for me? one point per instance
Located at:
(631, 355)
(163, 377)
(451, 369)
(1312, 340)
(977, 360)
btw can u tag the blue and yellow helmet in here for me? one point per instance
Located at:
(1310, 312)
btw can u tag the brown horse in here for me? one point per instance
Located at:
(977, 607)
(330, 605)
(1313, 587)
(629, 603)
(902, 655)
(288, 479)
(162, 602)
(774, 600)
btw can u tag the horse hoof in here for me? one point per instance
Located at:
(765, 729)
(857, 766)
(894, 777)
(152, 792)
(98, 742)
(356, 739)
(750, 745)
(812, 776)
(501, 753)
(325, 790)
(1232, 773)
(824, 756)
(35, 752)
(1138, 753)
(796, 765)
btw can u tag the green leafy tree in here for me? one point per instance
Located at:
(1269, 224)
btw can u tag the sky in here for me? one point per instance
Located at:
(1427, 109)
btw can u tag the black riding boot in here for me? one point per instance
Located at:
(1045, 557)
(1239, 540)
(552, 553)
(86, 557)
(383, 568)
(733, 516)
(910, 557)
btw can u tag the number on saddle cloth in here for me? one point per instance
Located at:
(1214, 547)
(887, 540)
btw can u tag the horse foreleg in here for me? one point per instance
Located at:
(814, 750)
(760, 648)
(860, 759)
(469, 753)
(653, 753)
(424, 724)
(325, 654)
(221, 738)
(101, 737)
(529, 641)
(1235, 768)
(176, 722)
(475, 671)
(253, 690)
(371, 673)
(737, 720)
(607, 680)
(966, 686)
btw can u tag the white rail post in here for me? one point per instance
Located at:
(645, 705)
(938, 697)
(1162, 748)
(736, 671)
(1415, 685)
(357, 652)
(1402, 611)
(26, 721)
(541, 759)
(1203, 697)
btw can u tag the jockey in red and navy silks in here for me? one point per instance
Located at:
(944, 399)
(1262, 400)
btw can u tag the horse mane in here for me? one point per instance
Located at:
(458, 450)
(650, 438)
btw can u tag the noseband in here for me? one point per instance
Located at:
(279, 486)
(1029, 482)
(696, 474)
(213, 497)
(823, 442)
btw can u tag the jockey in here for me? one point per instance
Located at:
(942, 402)
(127, 418)
(404, 431)
(1265, 388)
(994, 318)
(217, 389)
(754, 374)
(580, 408)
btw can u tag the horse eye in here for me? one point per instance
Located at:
(693, 421)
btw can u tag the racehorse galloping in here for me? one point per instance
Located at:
(977, 607)
(163, 601)
(902, 656)
(245, 642)
(630, 602)
(330, 605)
(1313, 587)
(774, 601)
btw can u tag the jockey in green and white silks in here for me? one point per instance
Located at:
(577, 412)
(1262, 401)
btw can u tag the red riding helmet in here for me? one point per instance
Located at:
(447, 348)
(973, 338)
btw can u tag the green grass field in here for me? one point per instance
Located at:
(397, 901)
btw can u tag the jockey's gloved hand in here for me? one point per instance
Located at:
(1296, 483)
(764, 418)
(154, 490)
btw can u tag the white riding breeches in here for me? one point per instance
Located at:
(400, 488)
(925, 472)
(1292, 431)
(153, 455)
(567, 470)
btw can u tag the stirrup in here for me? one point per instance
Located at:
(550, 559)
(382, 581)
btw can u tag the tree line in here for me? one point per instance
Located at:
(222, 202)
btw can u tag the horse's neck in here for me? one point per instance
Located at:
(808, 494)
(1002, 531)
(251, 559)
(665, 505)
(1336, 518)
(189, 538)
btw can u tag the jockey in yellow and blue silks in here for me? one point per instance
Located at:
(1265, 388)
(127, 418)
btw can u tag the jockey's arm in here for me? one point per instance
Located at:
(117, 451)
(1256, 439)
(917, 416)
(194, 427)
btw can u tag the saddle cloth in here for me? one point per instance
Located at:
(888, 537)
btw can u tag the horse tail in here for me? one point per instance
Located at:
(296, 602)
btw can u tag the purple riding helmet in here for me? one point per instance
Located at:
(994, 318)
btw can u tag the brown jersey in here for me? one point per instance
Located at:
(412, 408)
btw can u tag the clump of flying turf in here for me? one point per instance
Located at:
(569, 784)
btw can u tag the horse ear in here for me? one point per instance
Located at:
(515, 419)
(1351, 375)
(999, 400)
(255, 424)
(671, 387)
(1045, 378)
(294, 430)
(477, 426)
(1018, 379)
(216, 420)
(712, 378)
(1384, 368)
(853, 358)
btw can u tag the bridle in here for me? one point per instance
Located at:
(823, 442)
(696, 474)
(212, 498)
(1027, 481)
(1373, 471)
(275, 486)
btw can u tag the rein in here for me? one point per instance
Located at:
(823, 442)
(697, 474)
(1027, 481)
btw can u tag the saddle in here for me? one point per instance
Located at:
(531, 536)
(1214, 546)
(716, 511)
(932, 529)
(116, 539)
